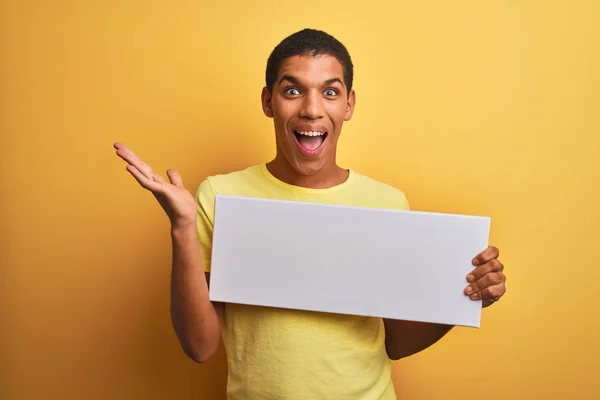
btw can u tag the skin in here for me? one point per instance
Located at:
(309, 94)
(487, 282)
(197, 321)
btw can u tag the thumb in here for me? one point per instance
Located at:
(175, 177)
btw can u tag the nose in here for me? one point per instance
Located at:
(312, 106)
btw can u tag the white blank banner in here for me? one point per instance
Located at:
(349, 260)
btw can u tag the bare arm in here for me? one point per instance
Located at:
(487, 283)
(196, 320)
(405, 338)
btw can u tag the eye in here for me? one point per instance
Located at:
(292, 91)
(330, 92)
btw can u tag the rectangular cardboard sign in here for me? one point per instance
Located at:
(348, 260)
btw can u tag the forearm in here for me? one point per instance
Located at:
(194, 317)
(404, 338)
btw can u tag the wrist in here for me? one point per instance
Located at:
(183, 227)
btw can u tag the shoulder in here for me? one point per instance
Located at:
(235, 177)
(384, 194)
(227, 183)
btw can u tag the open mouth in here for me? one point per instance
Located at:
(310, 141)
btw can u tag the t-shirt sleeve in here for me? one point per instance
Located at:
(205, 205)
(406, 205)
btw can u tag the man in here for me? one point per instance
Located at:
(290, 354)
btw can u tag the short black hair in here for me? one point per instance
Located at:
(309, 42)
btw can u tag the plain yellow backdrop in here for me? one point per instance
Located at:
(477, 107)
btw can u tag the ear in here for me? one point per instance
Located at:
(266, 102)
(350, 105)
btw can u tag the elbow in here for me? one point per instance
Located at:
(200, 350)
(396, 352)
(198, 346)
(394, 356)
(392, 351)
(199, 358)
(199, 354)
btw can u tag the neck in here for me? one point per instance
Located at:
(326, 177)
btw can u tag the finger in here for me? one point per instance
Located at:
(493, 278)
(158, 178)
(491, 292)
(175, 177)
(491, 285)
(132, 159)
(492, 266)
(143, 180)
(488, 254)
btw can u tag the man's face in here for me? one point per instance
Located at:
(309, 104)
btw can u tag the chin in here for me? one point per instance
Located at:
(308, 167)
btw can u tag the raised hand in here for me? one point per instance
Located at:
(174, 198)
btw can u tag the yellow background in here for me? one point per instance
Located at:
(479, 107)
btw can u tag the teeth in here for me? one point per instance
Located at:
(311, 133)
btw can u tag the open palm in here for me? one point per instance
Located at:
(174, 198)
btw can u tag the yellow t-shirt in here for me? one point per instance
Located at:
(288, 354)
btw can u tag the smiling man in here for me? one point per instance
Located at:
(290, 354)
(309, 95)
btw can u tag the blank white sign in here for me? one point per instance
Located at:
(348, 260)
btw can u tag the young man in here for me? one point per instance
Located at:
(289, 354)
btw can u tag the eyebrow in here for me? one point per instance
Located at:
(295, 81)
(333, 80)
(289, 78)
